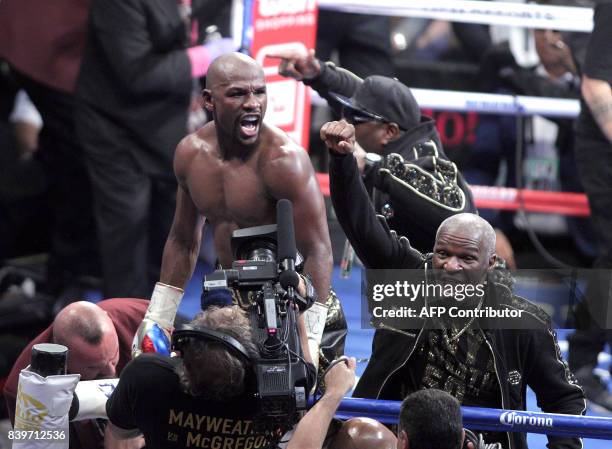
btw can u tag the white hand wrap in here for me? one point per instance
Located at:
(164, 303)
(314, 319)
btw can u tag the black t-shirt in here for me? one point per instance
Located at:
(149, 397)
(597, 64)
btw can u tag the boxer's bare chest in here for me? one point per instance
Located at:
(230, 191)
(231, 195)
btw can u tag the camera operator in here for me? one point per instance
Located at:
(429, 419)
(203, 399)
(198, 400)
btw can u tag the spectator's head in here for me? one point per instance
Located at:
(363, 433)
(464, 248)
(381, 109)
(210, 368)
(236, 96)
(90, 336)
(430, 419)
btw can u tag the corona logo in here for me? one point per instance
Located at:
(512, 418)
(29, 413)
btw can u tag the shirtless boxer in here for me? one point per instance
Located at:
(231, 172)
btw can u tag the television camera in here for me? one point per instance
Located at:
(264, 268)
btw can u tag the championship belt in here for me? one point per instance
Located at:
(427, 175)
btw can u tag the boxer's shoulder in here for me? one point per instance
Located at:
(199, 144)
(204, 140)
(274, 137)
(278, 150)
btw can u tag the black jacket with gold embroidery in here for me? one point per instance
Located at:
(523, 357)
(414, 174)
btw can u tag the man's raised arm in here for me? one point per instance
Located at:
(312, 428)
(324, 77)
(376, 246)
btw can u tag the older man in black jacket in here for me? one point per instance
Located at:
(480, 365)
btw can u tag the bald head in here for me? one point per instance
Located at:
(363, 433)
(83, 320)
(478, 227)
(90, 336)
(226, 68)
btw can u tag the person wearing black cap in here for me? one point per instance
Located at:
(404, 166)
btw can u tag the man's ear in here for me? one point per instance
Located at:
(208, 100)
(492, 260)
(392, 132)
(402, 440)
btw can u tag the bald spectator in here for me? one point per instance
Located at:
(99, 339)
(428, 419)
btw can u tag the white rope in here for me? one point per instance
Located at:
(562, 18)
(451, 100)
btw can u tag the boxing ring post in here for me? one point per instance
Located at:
(491, 419)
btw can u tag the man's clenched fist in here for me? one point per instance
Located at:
(339, 136)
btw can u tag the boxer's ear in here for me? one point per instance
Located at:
(208, 100)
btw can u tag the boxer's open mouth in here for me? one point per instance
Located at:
(249, 124)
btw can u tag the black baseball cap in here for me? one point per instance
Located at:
(383, 99)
